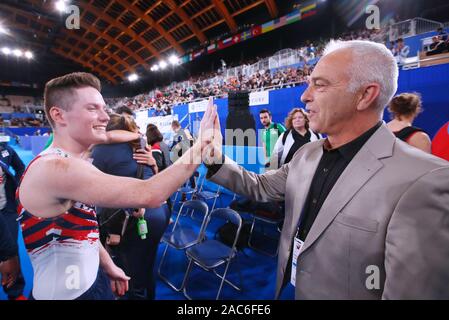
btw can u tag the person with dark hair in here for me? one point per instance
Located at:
(124, 110)
(60, 187)
(271, 132)
(159, 148)
(442, 34)
(404, 109)
(402, 51)
(298, 134)
(436, 47)
(135, 255)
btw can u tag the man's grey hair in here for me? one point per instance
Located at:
(371, 62)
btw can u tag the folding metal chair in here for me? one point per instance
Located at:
(207, 195)
(209, 254)
(186, 190)
(271, 221)
(184, 234)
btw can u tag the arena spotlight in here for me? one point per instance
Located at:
(6, 51)
(28, 54)
(133, 77)
(17, 52)
(163, 64)
(61, 6)
(174, 60)
(3, 30)
(155, 67)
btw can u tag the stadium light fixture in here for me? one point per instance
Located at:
(2, 29)
(163, 64)
(174, 60)
(28, 54)
(17, 52)
(155, 67)
(133, 77)
(61, 6)
(6, 51)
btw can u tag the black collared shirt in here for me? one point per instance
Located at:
(331, 166)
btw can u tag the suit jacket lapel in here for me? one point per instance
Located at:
(364, 165)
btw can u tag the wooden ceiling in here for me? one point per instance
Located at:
(119, 37)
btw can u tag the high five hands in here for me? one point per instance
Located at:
(210, 134)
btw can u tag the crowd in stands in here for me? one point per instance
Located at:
(22, 122)
(219, 83)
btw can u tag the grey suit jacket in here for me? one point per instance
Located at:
(383, 231)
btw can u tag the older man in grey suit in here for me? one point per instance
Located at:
(367, 216)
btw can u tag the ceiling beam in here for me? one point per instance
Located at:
(87, 65)
(272, 8)
(193, 27)
(107, 37)
(91, 57)
(145, 17)
(221, 8)
(123, 28)
(99, 50)
(47, 23)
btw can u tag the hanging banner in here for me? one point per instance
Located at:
(199, 106)
(259, 98)
(162, 123)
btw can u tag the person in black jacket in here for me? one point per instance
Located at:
(134, 255)
(8, 210)
(9, 262)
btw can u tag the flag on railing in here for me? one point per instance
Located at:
(267, 27)
(293, 17)
(256, 31)
(225, 43)
(307, 10)
(212, 48)
(236, 39)
(246, 35)
(197, 54)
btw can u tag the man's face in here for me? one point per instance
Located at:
(331, 106)
(87, 119)
(265, 119)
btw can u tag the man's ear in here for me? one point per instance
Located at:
(368, 96)
(57, 115)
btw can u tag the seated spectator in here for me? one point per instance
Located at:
(438, 46)
(442, 34)
(402, 51)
